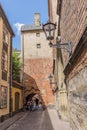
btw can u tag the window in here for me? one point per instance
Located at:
(5, 37)
(5, 34)
(38, 45)
(4, 60)
(3, 97)
(38, 34)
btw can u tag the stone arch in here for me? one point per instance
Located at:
(30, 96)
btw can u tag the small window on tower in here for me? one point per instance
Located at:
(38, 45)
(38, 34)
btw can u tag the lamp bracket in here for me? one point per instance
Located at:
(66, 46)
(53, 82)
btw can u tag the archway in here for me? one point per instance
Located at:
(30, 96)
(33, 96)
(34, 99)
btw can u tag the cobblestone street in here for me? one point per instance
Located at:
(30, 121)
(39, 120)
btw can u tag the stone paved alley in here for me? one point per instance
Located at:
(38, 120)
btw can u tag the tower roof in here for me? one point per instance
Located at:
(30, 28)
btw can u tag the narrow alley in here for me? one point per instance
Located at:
(37, 120)
(43, 65)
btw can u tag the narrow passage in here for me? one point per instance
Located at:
(40, 120)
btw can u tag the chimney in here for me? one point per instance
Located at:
(37, 19)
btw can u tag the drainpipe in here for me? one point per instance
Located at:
(10, 81)
(22, 78)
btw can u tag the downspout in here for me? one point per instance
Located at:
(10, 80)
(22, 77)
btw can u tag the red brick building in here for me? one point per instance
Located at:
(72, 27)
(37, 57)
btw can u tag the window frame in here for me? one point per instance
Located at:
(5, 34)
(38, 45)
(37, 34)
(4, 60)
(3, 96)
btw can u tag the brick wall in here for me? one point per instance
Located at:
(39, 70)
(72, 27)
(73, 22)
(38, 64)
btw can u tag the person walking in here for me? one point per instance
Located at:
(31, 106)
(37, 103)
(28, 105)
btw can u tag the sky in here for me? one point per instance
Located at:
(20, 12)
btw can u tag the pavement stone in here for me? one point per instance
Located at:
(38, 120)
(4, 125)
(56, 123)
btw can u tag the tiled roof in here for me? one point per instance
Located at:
(30, 27)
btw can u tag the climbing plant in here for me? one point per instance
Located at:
(16, 66)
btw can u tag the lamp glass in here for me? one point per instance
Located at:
(49, 29)
(50, 78)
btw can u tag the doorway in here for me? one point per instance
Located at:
(17, 96)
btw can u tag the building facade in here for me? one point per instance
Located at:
(61, 93)
(6, 34)
(37, 58)
(17, 97)
(73, 28)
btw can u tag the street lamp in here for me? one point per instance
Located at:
(49, 29)
(50, 78)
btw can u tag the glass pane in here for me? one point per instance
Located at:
(3, 102)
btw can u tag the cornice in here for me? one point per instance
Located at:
(16, 84)
(5, 19)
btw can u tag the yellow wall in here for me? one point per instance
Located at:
(4, 111)
(14, 90)
(4, 23)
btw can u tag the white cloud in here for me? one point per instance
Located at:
(18, 27)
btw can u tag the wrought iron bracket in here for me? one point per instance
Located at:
(66, 46)
(53, 82)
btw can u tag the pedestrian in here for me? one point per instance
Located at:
(34, 106)
(31, 106)
(40, 106)
(37, 103)
(28, 105)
